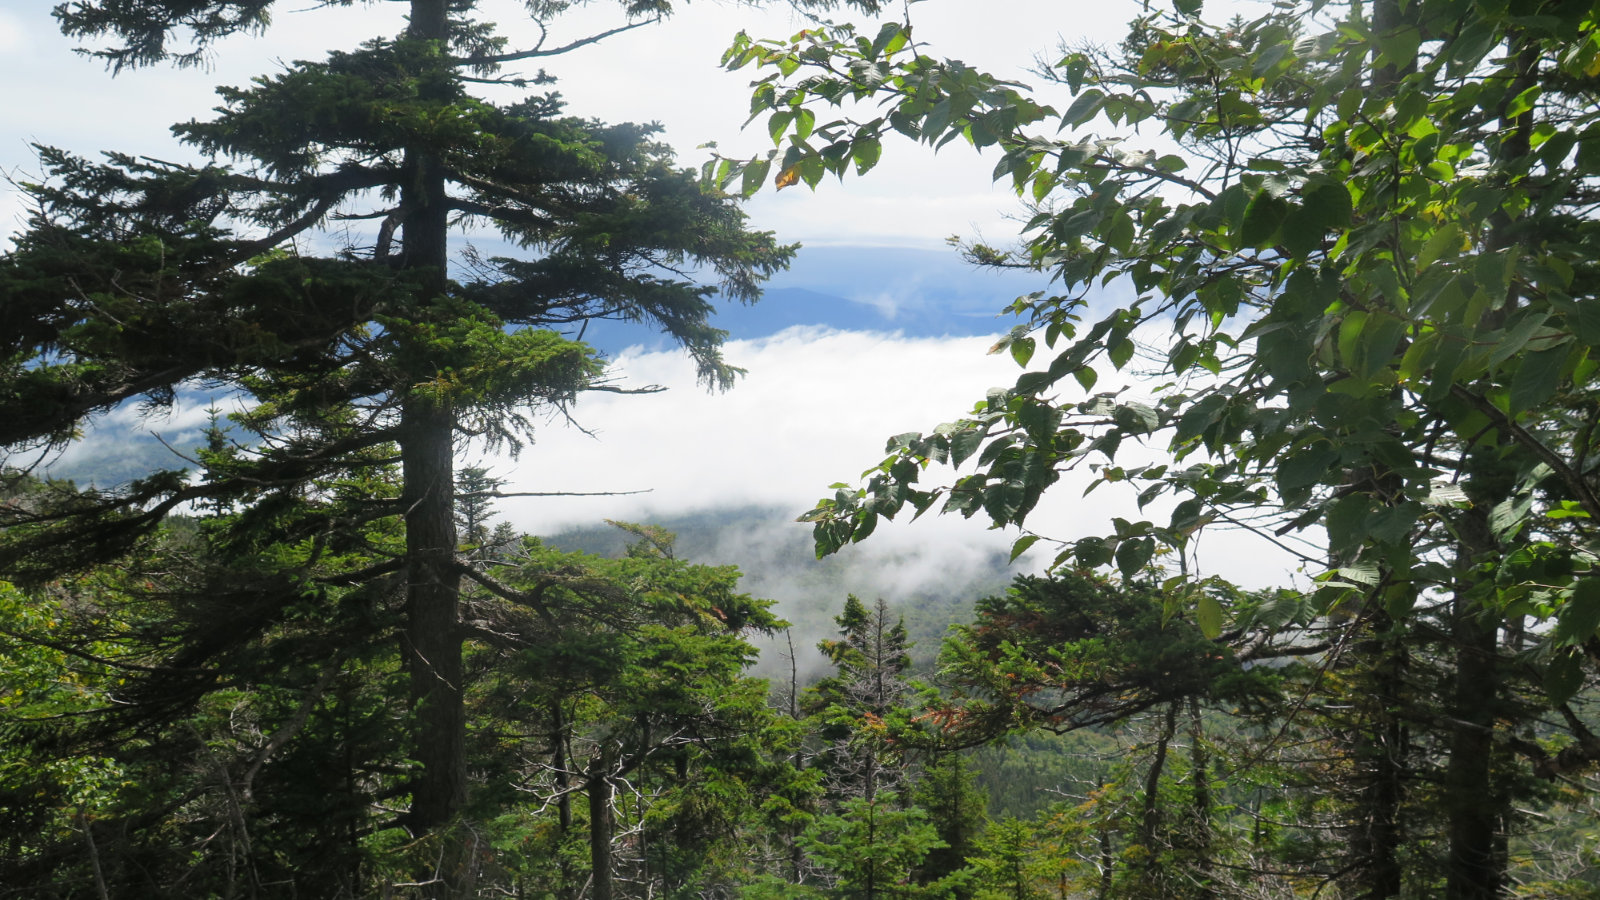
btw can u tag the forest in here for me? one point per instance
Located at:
(1349, 248)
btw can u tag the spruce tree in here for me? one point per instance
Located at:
(136, 278)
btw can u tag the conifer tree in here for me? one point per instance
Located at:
(138, 277)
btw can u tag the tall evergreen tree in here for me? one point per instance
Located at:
(137, 277)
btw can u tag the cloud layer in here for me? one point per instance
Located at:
(816, 408)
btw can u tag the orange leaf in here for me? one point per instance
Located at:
(787, 177)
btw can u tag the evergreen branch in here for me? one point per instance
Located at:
(85, 655)
(510, 215)
(360, 576)
(292, 727)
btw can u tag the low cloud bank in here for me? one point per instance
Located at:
(815, 409)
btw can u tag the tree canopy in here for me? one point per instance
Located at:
(1359, 244)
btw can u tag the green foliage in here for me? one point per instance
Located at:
(1076, 650)
(872, 847)
(1395, 263)
(357, 368)
(1366, 283)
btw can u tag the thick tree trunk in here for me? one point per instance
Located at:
(427, 460)
(432, 636)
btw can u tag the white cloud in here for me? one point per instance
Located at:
(667, 73)
(816, 409)
(12, 37)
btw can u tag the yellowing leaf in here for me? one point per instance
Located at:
(787, 177)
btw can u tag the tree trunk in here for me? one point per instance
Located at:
(1151, 820)
(1472, 800)
(1381, 753)
(600, 835)
(1200, 809)
(559, 760)
(427, 454)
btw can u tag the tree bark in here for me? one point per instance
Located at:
(1473, 803)
(1381, 753)
(427, 454)
(1151, 820)
(433, 639)
(600, 835)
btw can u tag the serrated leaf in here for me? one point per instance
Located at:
(1537, 378)
(1361, 573)
(1444, 493)
(963, 444)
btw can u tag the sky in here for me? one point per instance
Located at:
(877, 329)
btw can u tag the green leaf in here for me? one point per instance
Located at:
(755, 175)
(1563, 678)
(1092, 552)
(1379, 340)
(1517, 335)
(1208, 615)
(1399, 600)
(1084, 108)
(804, 121)
(1350, 329)
(1261, 219)
(1307, 467)
(778, 123)
(1585, 322)
(1021, 545)
(1121, 352)
(1133, 555)
(965, 443)
(1537, 378)
(1444, 241)
(866, 152)
(1398, 48)
(1579, 617)
(1022, 350)
(1346, 523)
(1325, 207)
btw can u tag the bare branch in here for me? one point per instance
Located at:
(538, 52)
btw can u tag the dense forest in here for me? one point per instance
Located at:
(1350, 246)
